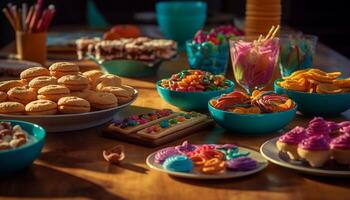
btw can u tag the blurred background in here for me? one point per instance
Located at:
(327, 20)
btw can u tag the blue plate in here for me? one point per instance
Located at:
(317, 104)
(252, 124)
(13, 160)
(191, 100)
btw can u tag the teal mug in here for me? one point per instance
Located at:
(180, 20)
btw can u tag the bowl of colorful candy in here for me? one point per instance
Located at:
(20, 144)
(192, 89)
(262, 112)
(316, 92)
(209, 50)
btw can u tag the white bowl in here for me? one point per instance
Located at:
(71, 122)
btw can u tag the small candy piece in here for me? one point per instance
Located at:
(164, 124)
(186, 147)
(241, 164)
(178, 163)
(213, 166)
(114, 155)
(180, 118)
(163, 154)
(198, 160)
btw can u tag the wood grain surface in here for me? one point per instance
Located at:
(71, 165)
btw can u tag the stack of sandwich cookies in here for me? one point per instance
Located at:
(39, 83)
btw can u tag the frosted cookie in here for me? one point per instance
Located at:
(169, 126)
(53, 92)
(41, 107)
(134, 123)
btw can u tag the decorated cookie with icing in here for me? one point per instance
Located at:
(171, 125)
(134, 123)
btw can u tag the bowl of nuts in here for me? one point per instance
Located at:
(20, 144)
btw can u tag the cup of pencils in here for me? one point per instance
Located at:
(31, 25)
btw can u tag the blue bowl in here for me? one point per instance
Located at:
(13, 160)
(211, 58)
(252, 124)
(180, 20)
(191, 100)
(317, 104)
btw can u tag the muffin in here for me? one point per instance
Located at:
(315, 150)
(288, 142)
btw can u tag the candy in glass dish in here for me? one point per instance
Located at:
(209, 50)
(296, 52)
(254, 60)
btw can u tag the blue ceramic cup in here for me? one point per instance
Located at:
(180, 20)
(13, 160)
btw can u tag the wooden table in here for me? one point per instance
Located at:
(71, 164)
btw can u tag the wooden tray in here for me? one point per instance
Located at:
(136, 139)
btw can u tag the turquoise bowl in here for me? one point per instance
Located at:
(180, 20)
(13, 160)
(252, 124)
(129, 68)
(317, 104)
(191, 100)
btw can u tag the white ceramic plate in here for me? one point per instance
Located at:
(262, 163)
(71, 122)
(271, 153)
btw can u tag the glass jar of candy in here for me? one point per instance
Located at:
(296, 52)
(208, 56)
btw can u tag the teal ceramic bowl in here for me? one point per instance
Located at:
(252, 124)
(129, 68)
(180, 20)
(191, 100)
(317, 104)
(13, 160)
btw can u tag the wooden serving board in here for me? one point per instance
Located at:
(136, 139)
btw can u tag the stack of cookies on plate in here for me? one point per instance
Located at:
(261, 15)
(62, 89)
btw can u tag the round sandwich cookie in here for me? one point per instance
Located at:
(84, 94)
(7, 85)
(102, 100)
(53, 92)
(42, 81)
(124, 95)
(28, 74)
(107, 80)
(22, 95)
(3, 96)
(71, 104)
(92, 75)
(11, 108)
(41, 107)
(60, 69)
(74, 82)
